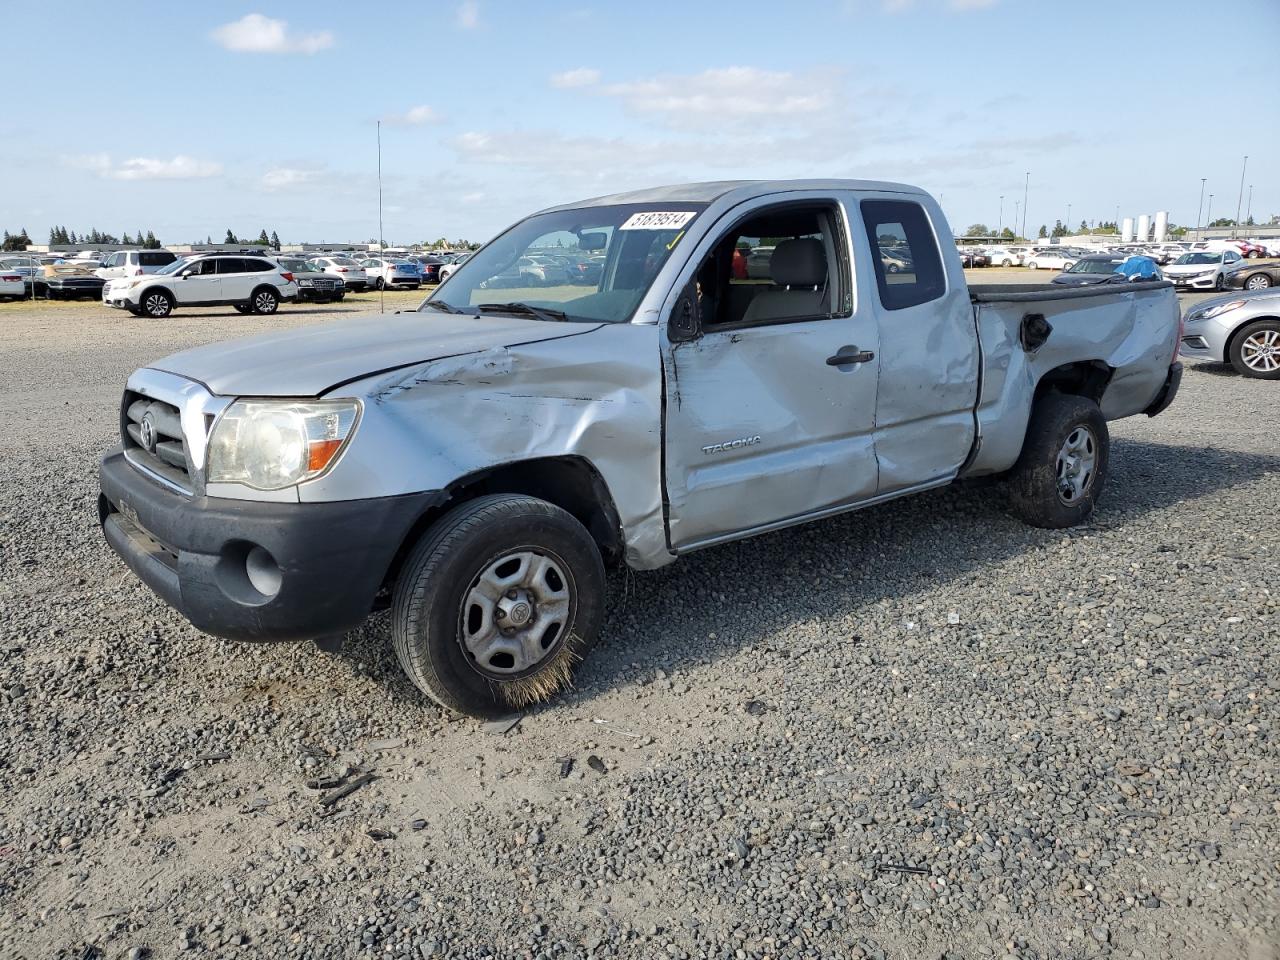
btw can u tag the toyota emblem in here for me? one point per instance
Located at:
(147, 434)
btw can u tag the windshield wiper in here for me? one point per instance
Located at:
(441, 305)
(525, 309)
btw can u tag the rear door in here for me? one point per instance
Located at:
(770, 408)
(928, 346)
(113, 267)
(237, 284)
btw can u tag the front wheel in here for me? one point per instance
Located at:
(1059, 475)
(1259, 281)
(378, 284)
(157, 304)
(1219, 283)
(1255, 351)
(1033, 265)
(497, 603)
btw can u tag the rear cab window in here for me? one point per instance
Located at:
(907, 262)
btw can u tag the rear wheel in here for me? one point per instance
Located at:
(157, 304)
(1033, 265)
(1059, 475)
(496, 603)
(265, 300)
(1255, 351)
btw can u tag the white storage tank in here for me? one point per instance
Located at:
(1126, 230)
(1144, 228)
(1162, 226)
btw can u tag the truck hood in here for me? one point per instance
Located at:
(309, 361)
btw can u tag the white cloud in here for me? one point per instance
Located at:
(180, 167)
(727, 94)
(468, 16)
(582, 77)
(285, 178)
(414, 116)
(254, 33)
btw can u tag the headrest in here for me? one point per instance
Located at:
(799, 263)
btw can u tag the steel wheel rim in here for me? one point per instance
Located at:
(157, 306)
(1257, 283)
(516, 612)
(1260, 351)
(1077, 463)
(265, 302)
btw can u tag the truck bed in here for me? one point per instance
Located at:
(1122, 335)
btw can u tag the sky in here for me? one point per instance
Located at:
(193, 118)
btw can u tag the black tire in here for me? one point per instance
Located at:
(1040, 478)
(136, 311)
(432, 606)
(378, 283)
(1218, 283)
(1259, 281)
(265, 301)
(157, 304)
(1251, 337)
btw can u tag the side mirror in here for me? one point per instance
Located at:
(683, 324)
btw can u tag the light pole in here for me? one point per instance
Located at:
(1016, 206)
(1000, 223)
(1025, 187)
(1248, 210)
(1200, 208)
(1208, 214)
(1240, 195)
(1116, 222)
(1068, 223)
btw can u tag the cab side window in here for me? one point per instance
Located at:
(780, 265)
(907, 262)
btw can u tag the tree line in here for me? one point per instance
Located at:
(61, 236)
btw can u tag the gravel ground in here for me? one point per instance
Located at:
(921, 731)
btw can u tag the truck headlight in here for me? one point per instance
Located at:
(273, 444)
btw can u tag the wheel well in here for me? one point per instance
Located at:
(1231, 340)
(1084, 378)
(157, 289)
(264, 286)
(571, 483)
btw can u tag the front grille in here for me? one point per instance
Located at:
(151, 431)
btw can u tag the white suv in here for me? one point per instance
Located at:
(134, 263)
(248, 283)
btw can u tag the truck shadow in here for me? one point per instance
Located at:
(716, 601)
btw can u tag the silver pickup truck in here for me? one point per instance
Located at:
(607, 382)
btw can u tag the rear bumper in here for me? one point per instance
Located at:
(1170, 390)
(327, 561)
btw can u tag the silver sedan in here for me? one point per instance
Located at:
(1243, 330)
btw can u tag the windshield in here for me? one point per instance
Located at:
(174, 267)
(591, 263)
(299, 266)
(1198, 258)
(1095, 266)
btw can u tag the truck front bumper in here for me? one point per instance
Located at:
(250, 570)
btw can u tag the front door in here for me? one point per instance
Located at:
(770, 408)
(200, 285)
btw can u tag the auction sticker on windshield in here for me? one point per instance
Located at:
(658, 220)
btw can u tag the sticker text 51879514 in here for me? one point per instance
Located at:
(658, 220)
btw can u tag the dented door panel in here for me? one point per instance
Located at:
(929, 370)
(760, 428)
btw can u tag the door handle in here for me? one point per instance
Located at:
(854, 355)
